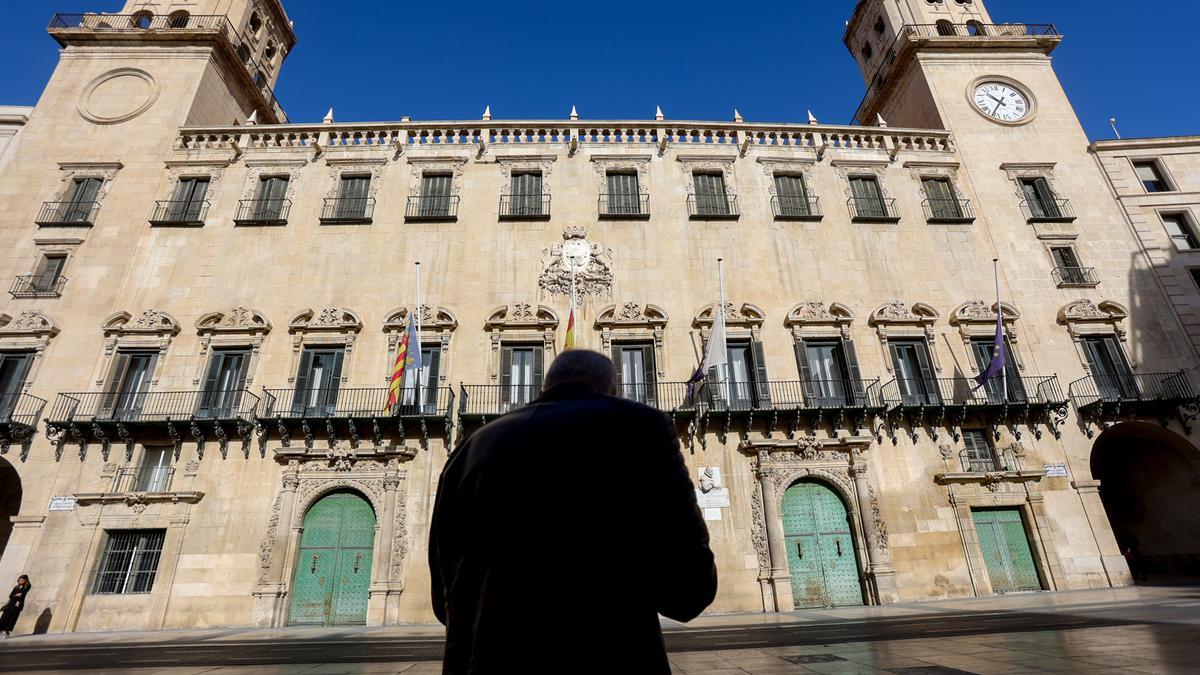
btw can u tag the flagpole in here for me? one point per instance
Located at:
(1000, 328)
(417, 321)
(720, 308)
(572, 262)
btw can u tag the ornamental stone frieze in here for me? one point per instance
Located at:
(590, 263)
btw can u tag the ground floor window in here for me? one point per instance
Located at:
(130, 561)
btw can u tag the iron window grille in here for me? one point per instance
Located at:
(348, 210)
(36, 286)
(179, 212)
(144, 478)
(1067, 277)
(616, 205)
(524, 207)
(432, 208)
(77, 213)
(130, 562)
(796, 207)
(263, 212)
(873, 210)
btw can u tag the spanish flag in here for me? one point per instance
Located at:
(397, 379)
(570, 344)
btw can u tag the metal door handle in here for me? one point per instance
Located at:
(313, 569)
(357, 560)
(800, 549)
(839, 547)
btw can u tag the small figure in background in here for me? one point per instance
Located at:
(16, 602)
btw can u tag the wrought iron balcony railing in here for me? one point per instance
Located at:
(77, 214)
(713, 207)
(1048, 210)
(148, 478)
(262, 212)
(353, 403)
(873, 210)
(524, 207)
(169, 212)
(948, 211)
(1001, 459)
(796, 207)
(152, 407)
(438, 208)
(35, 286)
(348, 210)
(945, 392)
(1104, 399)
(19, 410)
(624, 205)
(1075, 277)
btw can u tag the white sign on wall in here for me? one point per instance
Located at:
(1056, 470)
(62, 503)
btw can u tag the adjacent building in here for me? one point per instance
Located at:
(207, 301)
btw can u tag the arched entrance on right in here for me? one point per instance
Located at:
(1150, 486)
(821, 557)
(331, 584)
(10, 501)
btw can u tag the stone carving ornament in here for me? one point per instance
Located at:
(419, 168)
(536, 164)
(592, 266)
(722, 166)
(106, 171)
(340, 168)
(772, 167)
(638, 165)
(256, 171)
(29, 322)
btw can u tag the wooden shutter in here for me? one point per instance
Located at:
(49, 270)
(617, 362)
(83, 197)
(435, 194)
(979, 451)
(942, 201)
(506, 359)
(434, 364)
(212, 394)
(854, 374)
(762, 384)
(536, 389)
(932, 396)
(804, 368)
(650, 375)
(867, 198)
(335, 382)
(792, 195)
(116, 374)
(710, 193)
(303, 377)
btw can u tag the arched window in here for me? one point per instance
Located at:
(975, 28)
(944, 27)
(269, 52)
(178, 19)
(141, 19)
(867, 52)
(255, 23)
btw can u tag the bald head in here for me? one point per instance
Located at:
(581, 365)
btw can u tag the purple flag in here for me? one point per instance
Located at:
(996, 367)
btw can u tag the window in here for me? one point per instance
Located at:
(188, 203)
(867, 52)
(867, 197)
(178, 19)
(49, 271)
(14, 367)
(526, 197)
(793, 195)
(224, 383)
(624, 196)
(269, 52)
(422, 391)
(943, 202)
(82, 200)
(141, 19)
(829, 371)
(520, 373)
(636, 376)
(945, 28)
(711, 198)
(1114, 380)
(742, 382)
(1181, 231)
(984, 348)
(271, 197)
(980, 458)
(317, 382)
(1195, 271)
(1151, 177)
(1040, 198)
(255, 23)
(154, 475)
(435, 195)
(354, 196)
(1066, 263)
(914, 372)
(130, 561)
(128, 383)
(879, 26)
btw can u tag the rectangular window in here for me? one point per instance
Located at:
(636, 374)
(1040, 198)
(526, 199)
(318, 382)
(155, 472)
(45, 280)
(128, 383)
(354, 192)
(741, 383)
(979, 455)
(1067, 264)
(711, 197)
(984, 348)
(435, 194)
(271, 197)
(420, 393)
(130, 561)
(1151, 178)
(793, 195)
(520, 373)
(1114, 380)
(81, 200)
(943, 202)
(624, 197)
(14, 368)
(827, 376)
(224, 383)
(188, 201)
(914, 372)
(1182, 234)
(868, 198)
(1196, 276)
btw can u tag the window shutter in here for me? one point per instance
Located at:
(760, 374)
(115, 375)
(616, 357)
(802, 366)
(650, 376)
(86, 190)
(978, 449)
(434, 364)
(303, 377)
(506, 359)
(212, 394)
(538, 352)
(854, 374)
(931, 386)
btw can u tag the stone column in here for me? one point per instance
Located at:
(269, 597)
(381, 568)
(776, 546)
(1116, 569)
(879, 569)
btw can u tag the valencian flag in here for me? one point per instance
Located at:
(397, 379)
(570, 343)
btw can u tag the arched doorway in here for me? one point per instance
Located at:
(1150, 485)
(10, 501)
(333, 568)
(820, 547)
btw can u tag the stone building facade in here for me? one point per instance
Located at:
(207, 301)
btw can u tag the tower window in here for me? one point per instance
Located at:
(141, 19)
(1182, 233)
(944, 27)
(1151, 178)
(975, 28)
(269, 52)
(867, 52)
(879, 26)
(255, 23)
(178, 19)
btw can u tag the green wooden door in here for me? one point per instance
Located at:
(1006, 550)
(333, 569)
(820, 548)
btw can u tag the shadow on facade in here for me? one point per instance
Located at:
(10, 500)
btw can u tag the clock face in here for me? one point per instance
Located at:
(1001, 102)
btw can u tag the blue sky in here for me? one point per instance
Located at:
(380, 59)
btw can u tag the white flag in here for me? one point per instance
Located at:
(717, 354)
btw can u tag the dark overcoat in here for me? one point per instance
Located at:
(12, 610)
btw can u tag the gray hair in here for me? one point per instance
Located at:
(582, 365)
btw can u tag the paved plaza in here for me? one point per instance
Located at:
(1135, 630)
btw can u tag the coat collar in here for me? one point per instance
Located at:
(568, 391)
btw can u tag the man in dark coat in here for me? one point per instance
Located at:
(562, 529)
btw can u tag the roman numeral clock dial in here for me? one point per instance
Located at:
(1001, 102)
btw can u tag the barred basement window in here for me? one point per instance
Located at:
(130, 561)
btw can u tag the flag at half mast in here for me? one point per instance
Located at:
(570, 342)
(716, 354)
(396, 381)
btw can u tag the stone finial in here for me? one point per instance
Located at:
(879, 121)
(253, 118)
(405, 118)
(328, 119)
(487, 113)
(658, 113)
(812, 119)
(737, 116)
(574, 113)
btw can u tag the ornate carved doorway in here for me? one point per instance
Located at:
(820, 547)
(333, 569)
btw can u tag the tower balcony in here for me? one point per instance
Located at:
(1103, 400)
(948, 402)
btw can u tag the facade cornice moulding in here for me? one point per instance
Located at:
(526, 157)
(277, 162)
(91, 166)
(1144, 143)
(706, 157)
(948, 164)
(187, 163)
(340, 161)
(621, 156)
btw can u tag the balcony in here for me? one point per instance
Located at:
(713, 207)
(943, 211)
(481, 402)
(34, 286)
(524, 207)
(947, 402)
(873, 210)
(19, 413)
(143, 479)
(624, 206)
(262, 212)
(348, 211)
(1048, 211)
(1001, 464)
(163, 416)
(796, 208)
(1075, 277)
(442, 208)
(68, 214)
(179, 213)
(353, 413)
(1103, 400)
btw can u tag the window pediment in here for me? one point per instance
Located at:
(328, 319)
(632, 315)
(30, 323)
(236, 320)
(979, 312)
(521, 315)
(897, 312)
(746, 316)
(436, 318)
(150, 322)
(1088, 317)
(812, 317)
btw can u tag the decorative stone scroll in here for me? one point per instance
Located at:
(747, 316)
(258, 169)
(897, 319)
(511, 164)
(331, 326)
(605, 164)
(814, 319)
(239, 327)
(1085, 317)
(177, 170)
(520, 322)
(436, 321)
(846, 169)
(693, 164)
(977, 319)
(339, 167)
(632, 322)
(152, 329)
(785, 166)
(106, 171)
(592, 266)
(422, 166)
